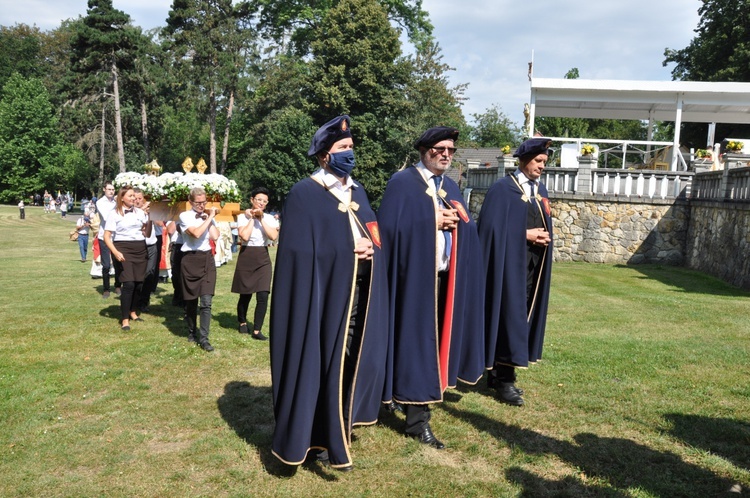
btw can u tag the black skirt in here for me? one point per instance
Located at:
(197, 274)
(253, 271)
(136, 258)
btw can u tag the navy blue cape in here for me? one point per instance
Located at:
(515, 338)
(310, 303)
(408, 224)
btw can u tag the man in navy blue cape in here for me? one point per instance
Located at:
(515, 229)
(435, 283)
(329, 335)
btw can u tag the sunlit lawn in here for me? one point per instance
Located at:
(644, 391)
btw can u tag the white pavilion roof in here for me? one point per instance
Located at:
(701, 102)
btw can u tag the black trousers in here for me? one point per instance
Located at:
(261, 306)
(191, 315)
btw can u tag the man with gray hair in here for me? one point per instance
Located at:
(198, 272)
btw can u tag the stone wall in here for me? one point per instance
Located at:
(719, 241)
(614, 230)
(709, 236)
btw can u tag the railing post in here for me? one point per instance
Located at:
(504, 162)
(585, 165)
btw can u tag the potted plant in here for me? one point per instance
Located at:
(587, 149)
(505, 149)
(735, 147)
(704, 154)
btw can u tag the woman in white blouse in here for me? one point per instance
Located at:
(125, 236)
(252, 274)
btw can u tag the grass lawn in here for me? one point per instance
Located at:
(644, 391)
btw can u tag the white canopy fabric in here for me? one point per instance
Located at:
(698, 102)
(676, 101)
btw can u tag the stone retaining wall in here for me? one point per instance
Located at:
(719, 241)
(710, 237)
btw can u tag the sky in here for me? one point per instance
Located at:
(490, 43)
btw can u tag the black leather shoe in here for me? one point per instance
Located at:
(259, 336)
(493, 383)
(394, 407)
(508, 393)
(206, 346)
(191, 337)
(428, 438)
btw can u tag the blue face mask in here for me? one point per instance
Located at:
(341, 163)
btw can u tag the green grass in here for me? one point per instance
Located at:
(644, 391)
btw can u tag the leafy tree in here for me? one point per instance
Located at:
(719, 52)
(431, 101)
(495, 129)
(295, 24)
(20, 48)
(103, 45)
(32, 153)
(358, 70)
(280, 158)
(209, 36)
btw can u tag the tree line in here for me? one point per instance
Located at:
(242, 84)
(245, 84)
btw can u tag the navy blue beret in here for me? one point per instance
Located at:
(435, 135)
(533, 147)
(331, 132)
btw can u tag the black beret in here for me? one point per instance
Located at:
(533, 147)
(331, 132)
(435, 135)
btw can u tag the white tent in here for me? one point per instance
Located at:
(676, 101)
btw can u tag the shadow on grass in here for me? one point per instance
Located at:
(686, 280)
(727, 438)
(535, 486)
(248, 410)
(622, 463)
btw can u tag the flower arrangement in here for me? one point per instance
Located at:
(176, 187)
(734, 146)
(587, 149)
(505, 149)
(703, 154)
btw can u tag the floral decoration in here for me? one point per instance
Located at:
(176, 187)
(703, 154)
(735, 146)
(587, 149)
(505, 149)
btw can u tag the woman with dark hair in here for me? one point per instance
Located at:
(252, 275)
(125, 235)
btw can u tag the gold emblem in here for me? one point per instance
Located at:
(442, 193)
(342, 208)
(525, 198)
(343, 125)
(354, 206)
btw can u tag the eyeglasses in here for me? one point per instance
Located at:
(201, 203)
(441, 150)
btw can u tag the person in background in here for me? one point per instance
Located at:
(515, 229)
(104, 206)
(22, 209)
(125, 236)
(175, 262)
(152, 269)
(83, 224)
(63, 206)
(329, 333)
(252, 275)
(435, 276)
(197, 268)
